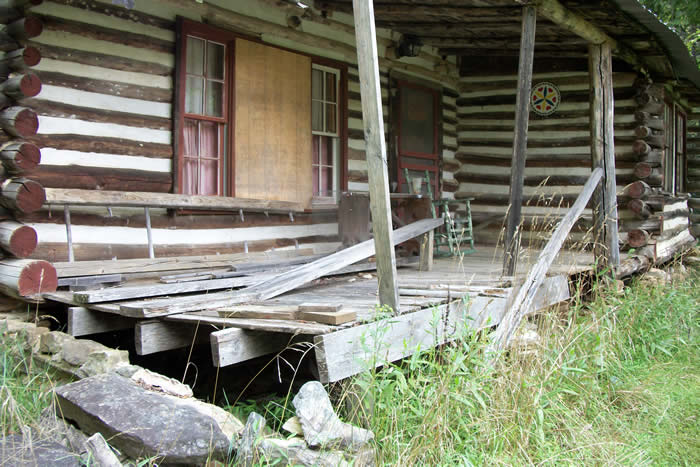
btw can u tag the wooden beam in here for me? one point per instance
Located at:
(521, 301)
(153, 336)
(373, 120)
(603, 154)
(79, 197)
(360, 348)
(566, 19)
(83, 322)
(234, 345)
(517, 171)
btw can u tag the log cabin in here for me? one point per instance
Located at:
(167, 128)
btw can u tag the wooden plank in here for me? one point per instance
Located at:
(270, 325)
(83, 322)
(522, 109)
(154, 290)
(373, 122)
(521, 303)
(165, 200)
(427, 246)
(304, 274)
(234, 345)
(173, 263)
(327, 314)
(350, 351)
(603, 154)
(86, 281)
(153, 336)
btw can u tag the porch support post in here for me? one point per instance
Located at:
(522, 110)
(380, 205)
(602, 109)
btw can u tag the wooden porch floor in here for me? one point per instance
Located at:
(457, 295)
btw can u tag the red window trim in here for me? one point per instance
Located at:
(185, 27)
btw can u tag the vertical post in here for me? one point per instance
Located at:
(603, 153)
(149, 232)
(522, 113)
(380, 204)
(69, 233)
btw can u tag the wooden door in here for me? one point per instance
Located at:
(417, 143)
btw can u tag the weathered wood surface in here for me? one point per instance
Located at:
(373, 120)
(308, 272)
(603, 153)
(522, 111)
(153, 336)
(350, 351)
(21, 194)
(19, 121)
(165, 200)
(84, 322)
(18, 157)
(522, 303)
(234, 345)
(270, 325)
(174, 263)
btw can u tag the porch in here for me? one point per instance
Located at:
(339, 313)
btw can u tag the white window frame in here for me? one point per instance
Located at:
(335, 157)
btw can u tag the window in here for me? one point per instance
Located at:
(325, 131)
(257, 121)
(204, 89)
(675, 155)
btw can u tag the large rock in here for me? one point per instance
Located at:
(141, 423)
(322, 427)
(247, 453)
(17, 452)
(295, 452)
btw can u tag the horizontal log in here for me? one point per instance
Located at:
(656, 141)
(652, 108)
(21, 86)
(640, 208)
(652, 224)
(11, 10)
(632, 265)
(637, 238)
(643, 131)
(644, 169)
(25, 28)
(27, 277)
(654, 177)
(19, 60)
(165, 200)
(17, 239)
(19, 157)
(654, 157)
(19, 121)
(641, 147)
(99, 178)
(652, 121)
(21, 194)
(102, 145)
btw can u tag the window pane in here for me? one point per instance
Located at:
(326, 150)
(317, 116)
(191, 138)
(195, 56)
(215, 60)
(316, 84)
(417, 121)
(209, 132)
(208, 177)
(331, 118)
(331, 94)
(315, 144)
(315, 178)
(193, 95)
(215, 98)
(189, 179)
(326, 188)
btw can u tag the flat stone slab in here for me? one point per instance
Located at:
(15, 452)
(141, 423)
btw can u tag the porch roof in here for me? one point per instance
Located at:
(488, 31)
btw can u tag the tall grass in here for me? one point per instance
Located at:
(615, 381)
(25, 388)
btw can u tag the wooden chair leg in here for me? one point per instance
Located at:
(426, 251)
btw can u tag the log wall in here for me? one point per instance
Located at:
(558, 160)
(105, 121)
(694, 169)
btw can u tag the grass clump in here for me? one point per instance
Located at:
(613, 381)
(25, 388)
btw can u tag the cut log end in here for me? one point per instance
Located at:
(30, 196)
(31, 56)
(27, 156)
(30, 85)
(19, 121)
(36, 278)
(637, 238)
(22, 242)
